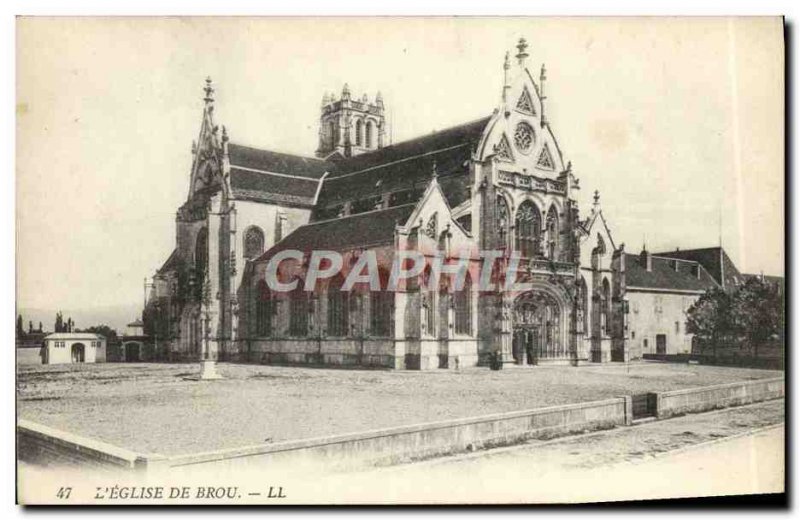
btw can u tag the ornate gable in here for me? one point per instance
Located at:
(525, 103)
(545, 160)
(503, 150)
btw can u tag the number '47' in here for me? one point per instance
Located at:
(64, 492)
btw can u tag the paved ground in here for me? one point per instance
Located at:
(153, 408)
(733, 451)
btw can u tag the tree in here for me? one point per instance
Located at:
(59, 325)
(758, 311)
(103, 330)
(20, 330)
(710, 318)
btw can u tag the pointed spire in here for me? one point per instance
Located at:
(522, 54)
(542, 96)
(434, 172)
(224, 134)
(209, 90)
(506, 85)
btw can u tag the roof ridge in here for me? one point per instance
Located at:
(389, 163)
(356, 215)
(435, 132)
(302, 156)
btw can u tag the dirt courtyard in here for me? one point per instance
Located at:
(153, 408)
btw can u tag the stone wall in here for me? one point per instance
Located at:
(42, 445)
(395, 445)
(693, 400)
(29, 356)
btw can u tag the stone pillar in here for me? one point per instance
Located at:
(215, 270)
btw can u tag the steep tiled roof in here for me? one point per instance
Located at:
(407, 165)
(277, 162)
(714, 259)
(664, 276)
(172, 262)
(364, 229)
(267, 187)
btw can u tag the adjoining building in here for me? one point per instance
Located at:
(500, 183)
(73, 347)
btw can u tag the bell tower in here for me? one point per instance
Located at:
(350, 127)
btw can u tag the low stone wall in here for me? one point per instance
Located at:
(29, 356)
(42, 445)
(693, 400)
(395, 445)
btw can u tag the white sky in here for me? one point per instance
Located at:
(675, 121)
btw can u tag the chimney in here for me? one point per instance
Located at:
(696, 270)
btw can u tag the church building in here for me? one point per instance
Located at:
(499, 183)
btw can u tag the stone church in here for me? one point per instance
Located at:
(499, 183)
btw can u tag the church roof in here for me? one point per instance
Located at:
(664, 275)
(714, 259)
(276, 162)
(361, 230)
(269, 187)
(407, 165)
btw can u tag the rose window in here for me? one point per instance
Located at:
(524, 137)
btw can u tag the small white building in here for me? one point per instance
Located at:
(73, 347)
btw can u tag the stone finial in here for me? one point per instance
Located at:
(364, 99)
(596, 197)
(434, 172)
(224, 134)
(326, 100)
(379, 99)
(345, 92)
(209, 90)
(522, 47)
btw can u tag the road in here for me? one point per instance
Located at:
(734, 451)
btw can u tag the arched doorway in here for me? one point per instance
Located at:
(78, 353)
(537, 329)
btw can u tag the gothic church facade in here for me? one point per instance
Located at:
(498, 183)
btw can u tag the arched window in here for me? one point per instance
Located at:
(441, 245)
(253, 242)
(359, 132)
(334, 140)
(264, 310)
(381, 305)
(201, 254)
(368, 135)
(462, 304)
(583, 294)
(338, 308)
(503, 222)
(528, 229)
(299, 309)
(601, 245)
(552, 233)
(428, 297)
(605, 305)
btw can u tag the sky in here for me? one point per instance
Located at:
(677, 122)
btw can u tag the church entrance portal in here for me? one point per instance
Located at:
(536, 329)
